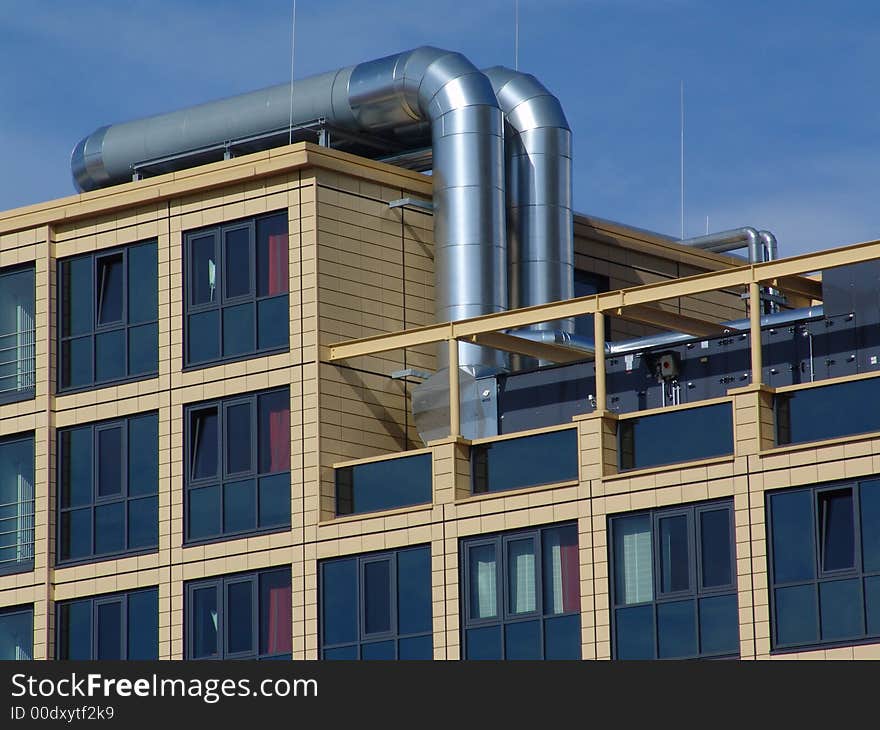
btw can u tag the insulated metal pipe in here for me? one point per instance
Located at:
(732, 240)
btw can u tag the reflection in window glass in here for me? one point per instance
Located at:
(836, 529)
(17, 504)
(522, 462)
(385, 484)
(17, 334)
(17, 633)
(109, 278)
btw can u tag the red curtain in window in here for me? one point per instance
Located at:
(279, 440)
(280, 627)
(571, 588)
(277, 263)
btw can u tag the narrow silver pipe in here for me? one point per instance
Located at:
(771, 248)
(725, 241)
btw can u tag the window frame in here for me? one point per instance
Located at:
(29, 393)
(222, 477)
(696, 592)
(120, 598)
(220, 584)
(23, 566)
(18, 610)
(504, 616)
(218, 232)
(820, 575)
(124, 497)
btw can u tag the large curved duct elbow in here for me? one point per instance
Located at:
(538, 176)
(387, 95)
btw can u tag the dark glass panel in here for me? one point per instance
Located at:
(109, 630)
(143, 523)
(715, 548)
(143, 625)
(273, 327)
(872, 604)
(840, 606)
(77, 296)
(16, 503)
(677, 629)
(239, 617)
(203, 276)
(75, 630)
(483, 581)
(110, 459)
(634, 632)
(274, 500)
(796, 618)
(384, 485)
(143, 455)
(272, 245)
(484, 643)
(674, 554)
(792, 536)
(204, 512)
(238, 329)
(274, 431)
(143, 349)
(586, 283)
(110, 528)
(685, 435)
(562, 587)
(377, 597)
(110, 355)
(521, 577)
(378, 650)
(837, 532)
(203, 336)
(719, 625)
(204, 622)
(109, 278)
(76, 467)
(204, 425)
(633, 561)
(416, 647)
(16, 634)
(869, 508)
(522, 462)
(276, 627)
(831, 411)
(239, 506)
(76, 362)
(339, 594)
(143, 286)
(238, 438)
(414, 591)
(522, 640)
(76, 534)
(345, 652)
(562, 637)
(238, 263)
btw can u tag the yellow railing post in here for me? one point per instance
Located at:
(454, 397)
(755, 331)
(599, 342)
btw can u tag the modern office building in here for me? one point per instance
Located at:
(269, 391)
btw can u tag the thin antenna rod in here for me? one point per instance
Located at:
(707, 225)
(516, 35)
(682, 160)
(292, 50)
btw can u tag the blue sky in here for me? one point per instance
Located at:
(782, 109)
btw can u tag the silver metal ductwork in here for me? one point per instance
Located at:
(725, 241)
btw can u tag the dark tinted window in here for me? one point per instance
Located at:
(682, 435)
(17, 633)
(586, 283)
(108, 316)
(17, 334)
(240, 616)
(237, 290)
(523, 462)
(108, 488)
(113, 626)
(383, 484)
(828, 411)
(673, 588)
(17, 503)
(377, 606)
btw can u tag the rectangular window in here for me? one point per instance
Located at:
(825, 564)
(237, 472)
(521, 595)
(108, 317)
(240, 616)
(17, 504)
(383, 484)
(17, 633)
(112, 627)
(525, 461)
(377, 606)
(670, 438)
(673, 583)
(827, 412)
(108, 488)
(236, 290)
(17, 334)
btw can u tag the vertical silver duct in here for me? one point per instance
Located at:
(390, 95)
(538, 177)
